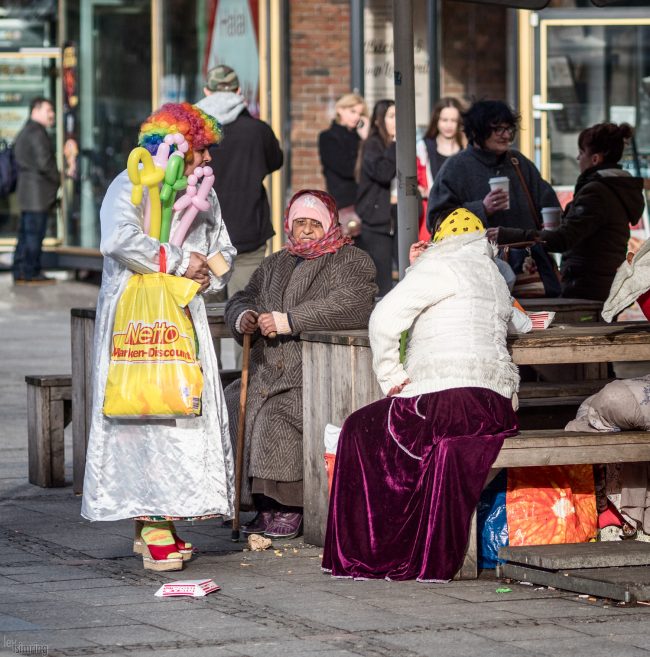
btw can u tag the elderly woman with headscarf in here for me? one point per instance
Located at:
(181, 468)
(410, 468)
(318, 281)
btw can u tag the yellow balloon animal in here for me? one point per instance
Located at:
(149, 176)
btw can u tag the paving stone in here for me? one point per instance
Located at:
(348, 615)
(205, 651)
(455, 643)
(489, 594)
(39, 573)
(67, 615)
(297, 648)
(603, 626)
(582, 647)
(32, 642)
(12, 623)
(533, 629)
(459, 614)
(637, 639)
(556, 608)
(75, 584)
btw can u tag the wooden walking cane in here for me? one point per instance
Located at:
(241, 432)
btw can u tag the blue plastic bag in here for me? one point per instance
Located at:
(492, 521)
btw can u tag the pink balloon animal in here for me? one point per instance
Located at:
(192, 202)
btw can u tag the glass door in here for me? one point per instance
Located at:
(591, 70)
(28, 69)
(108, 56)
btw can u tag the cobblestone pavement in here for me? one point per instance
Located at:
(70, 587)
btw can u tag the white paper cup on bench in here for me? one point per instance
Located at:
(502, 182)
(551, 218)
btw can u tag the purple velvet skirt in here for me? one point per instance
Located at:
(409, 473)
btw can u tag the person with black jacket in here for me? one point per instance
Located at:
(38, 182)
(338, 147)
(595, 227)
(377, 195)
(249, 152)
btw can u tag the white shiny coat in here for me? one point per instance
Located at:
(180, 467)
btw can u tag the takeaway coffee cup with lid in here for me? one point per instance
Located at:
(551, 218)
(502, 182)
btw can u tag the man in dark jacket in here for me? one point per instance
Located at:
(248, 153)
(38, 182)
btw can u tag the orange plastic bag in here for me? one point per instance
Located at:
(154, 371)
(330, 462)
(554, 504)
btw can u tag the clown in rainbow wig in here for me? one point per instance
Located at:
(413, 464)
(156, 472)
(199, 129)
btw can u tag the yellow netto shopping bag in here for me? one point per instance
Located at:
(154, 370)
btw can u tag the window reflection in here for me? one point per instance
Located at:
(598, 73)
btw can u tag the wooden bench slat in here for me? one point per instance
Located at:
(544, 389)
(558, 447)
(536, 457)
(48, 380)
(561, 438)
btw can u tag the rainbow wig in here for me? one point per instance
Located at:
(199, 129)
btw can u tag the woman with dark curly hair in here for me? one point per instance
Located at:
(595, 228)
(490, 127)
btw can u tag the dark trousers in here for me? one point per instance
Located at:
(382, 248)
(27, 257)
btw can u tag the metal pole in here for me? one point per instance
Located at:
(407, 200)
(434, 42)
(356, 45)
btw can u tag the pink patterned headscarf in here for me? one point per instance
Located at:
(309, 206)
(320, 206)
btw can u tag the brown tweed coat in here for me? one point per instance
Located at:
(334, 291)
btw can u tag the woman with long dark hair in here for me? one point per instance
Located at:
(377, 195)
(443, 138)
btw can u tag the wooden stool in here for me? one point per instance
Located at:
(49, 410)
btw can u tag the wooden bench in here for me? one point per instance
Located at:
(559, 447)
(338, 380)
(49, 410)
(558, 393)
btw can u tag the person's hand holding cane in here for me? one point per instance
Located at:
(267, 325)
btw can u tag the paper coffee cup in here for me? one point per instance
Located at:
(502, 182)
(217, 264)
(551, 218)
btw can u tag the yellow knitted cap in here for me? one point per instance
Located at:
(459, 222)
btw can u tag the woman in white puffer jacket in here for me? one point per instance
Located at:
(410, 468)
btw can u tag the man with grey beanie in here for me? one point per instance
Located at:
(247, 154)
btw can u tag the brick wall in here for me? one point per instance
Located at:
(474, 66)
(319, 69)
(473, 51)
